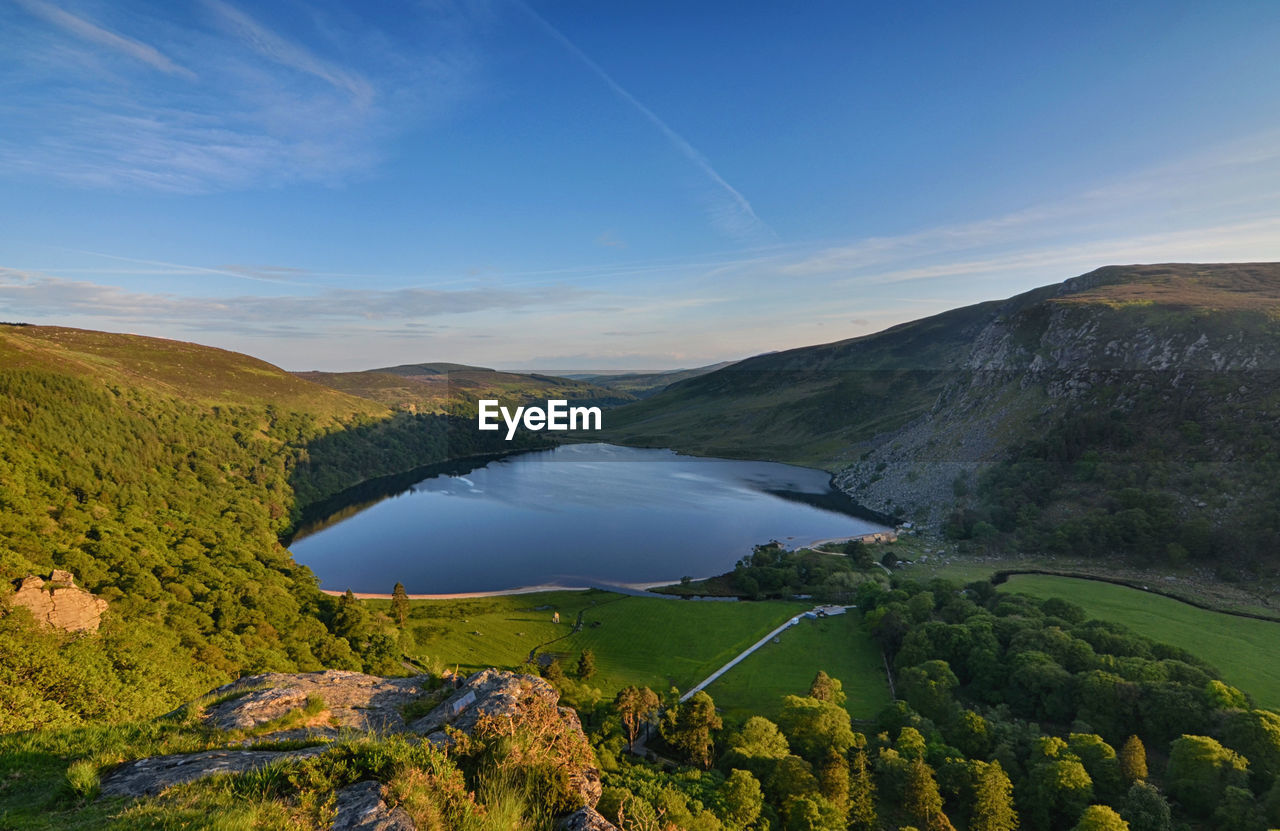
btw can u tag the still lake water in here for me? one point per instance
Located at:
(578, 515)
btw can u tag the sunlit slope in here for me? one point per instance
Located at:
(455, 388)
(829, 404)
(808, 405)
(186, 371)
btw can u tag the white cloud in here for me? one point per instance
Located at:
(82, 28)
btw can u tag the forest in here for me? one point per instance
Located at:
(1011, 713)
(172, 511)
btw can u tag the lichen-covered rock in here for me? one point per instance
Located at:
(57, 602)
(351, 699)
(493, 701)
(587, 819)
(361, 808)
(147, 777)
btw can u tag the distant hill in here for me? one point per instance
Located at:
(1130, 409)
(645, 384)
(455, 388)
(162, 475)
(189, 371)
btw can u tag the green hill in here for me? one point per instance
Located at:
(162, 475)
(645, 384)
(1124, 411)
(455, 388)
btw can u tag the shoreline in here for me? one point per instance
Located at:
(641, 589)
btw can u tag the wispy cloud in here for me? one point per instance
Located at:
(236, 104)
(82, 28)
(289, 54)
(26, 293)
(729, 211)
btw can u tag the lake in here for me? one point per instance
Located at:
(578, 515)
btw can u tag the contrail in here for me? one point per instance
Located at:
(736, 216)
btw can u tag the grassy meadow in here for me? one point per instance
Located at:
(1242, 649)
(836, 645)
(651, 641)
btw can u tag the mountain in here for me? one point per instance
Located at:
(1121, 411)
(204, 374)
(161, 476)
(645, 384)
(455, 388)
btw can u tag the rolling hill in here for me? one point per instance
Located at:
(455, 388)
(1122, 411)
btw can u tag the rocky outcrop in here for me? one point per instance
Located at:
(351, 700)
(488, 703)
(587, 819)
(492, 700)
(362, 808)
(58, 603)
(147, 777)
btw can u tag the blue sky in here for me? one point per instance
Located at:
(557, 184)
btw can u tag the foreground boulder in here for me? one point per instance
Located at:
(58, 603)
(587, 819)
(148, 777)
(350, 700)
(488, 705)
(362, 808)
(494, 702)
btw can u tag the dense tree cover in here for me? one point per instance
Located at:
(1143, 469)
(773, 571)
(1013, 713)
(172, 512)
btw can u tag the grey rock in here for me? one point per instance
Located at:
(147, 777)
(362, 808)
(496, 696)
(586, 819)
(352, 699)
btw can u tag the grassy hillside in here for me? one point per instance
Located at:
(203, 374)
(1234, 645)
(814, 405)
(1124, 411)
(162, 475)
(455, 388)
(645, 384)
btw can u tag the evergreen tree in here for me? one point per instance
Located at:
(921, 800)
(993, 801)
(688, 728)
(351, 620)
(586, 664)
(1133, 760)
(399, 604)
(862, 794)
(826, 688)
(633, 705)
(833, 779)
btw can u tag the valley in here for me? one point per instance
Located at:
(1115, 424)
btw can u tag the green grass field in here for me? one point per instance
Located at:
(654, 642)
(1242, 649)
(835, 645)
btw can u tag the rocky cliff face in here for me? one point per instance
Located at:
(58, 603)
(1086, 344)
